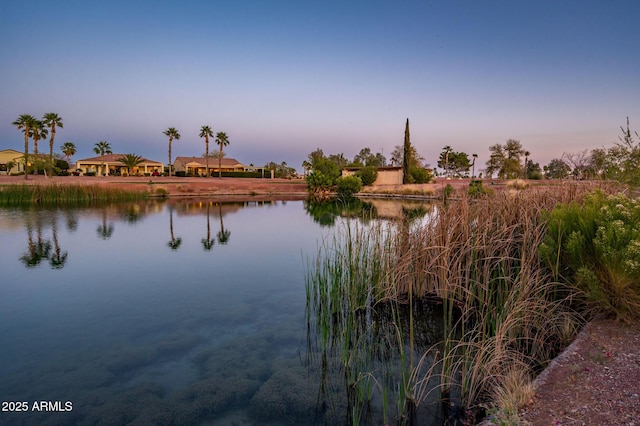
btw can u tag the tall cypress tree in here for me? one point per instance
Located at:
(406, 154)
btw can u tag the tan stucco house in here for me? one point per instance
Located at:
(198, 165)
(11, 157)
(110, 165)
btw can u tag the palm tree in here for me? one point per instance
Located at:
(25, 122)
(102, 148)
(222, 140)
(52, 120)
(473, 166)
(38, 132)
(206, 133)
(131, 161)
(526, 162)
(173, 134)
(68, 149)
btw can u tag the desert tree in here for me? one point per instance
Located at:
(25, 122)
(222, 140)
(130, 161)
(206, 133)
(173, 134)
(101, 148)
(53, 121)
(68, 149)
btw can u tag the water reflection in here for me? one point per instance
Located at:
(326, 212)
(37, 250)
(207, 243)
(58, 258)
(174, 243)
(133, 332)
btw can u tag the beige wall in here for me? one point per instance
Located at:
(385, 177)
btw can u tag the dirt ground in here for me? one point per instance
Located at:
(595, 381)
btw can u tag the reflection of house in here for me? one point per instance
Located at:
(386, 175)
(198, 165)
(10, 157)
(112, 166)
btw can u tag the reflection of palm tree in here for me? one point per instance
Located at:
(105, 230)
(175, 242)
(58, 258)
(207, 243)
(223, 236)
(36, 250)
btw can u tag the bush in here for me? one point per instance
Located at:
(368, 175)
(318, 182)
(420, 175)
(476, 189)
(596, 246)
(348, 185)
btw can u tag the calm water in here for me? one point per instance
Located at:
(182, 312)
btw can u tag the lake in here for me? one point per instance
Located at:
(186, 311)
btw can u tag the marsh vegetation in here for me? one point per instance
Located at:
(507, 307)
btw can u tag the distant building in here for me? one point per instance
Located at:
(386, 175)
(197, 166)
(11, 157)
(111, 165)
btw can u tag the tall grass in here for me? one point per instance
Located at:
(56, 194)
(502, 310)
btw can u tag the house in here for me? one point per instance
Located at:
(386, 175)
(13, 158)
(110, 165)
(197, 166)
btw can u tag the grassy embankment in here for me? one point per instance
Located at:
(509, 306)
(55, 194)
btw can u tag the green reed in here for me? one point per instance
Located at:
(479, 259)
(56, 194)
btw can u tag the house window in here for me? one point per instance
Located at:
(3, 167)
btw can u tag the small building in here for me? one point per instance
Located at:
(386, 175)
(110, 165)
(13, 158)
(197, 166)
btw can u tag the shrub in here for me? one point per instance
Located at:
(596, 246)
(368, 175)
(476, 189)
(317, 181)
(348, 185)
(420, 175)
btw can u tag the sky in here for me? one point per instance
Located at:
(283, 78)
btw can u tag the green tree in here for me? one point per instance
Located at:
(206, 133)
(173, 134)
(38, 133)
(222, 140)
(505, 160)
(131, 161)
(68, 149)
(25, 122)
(557, 169)
(101, 148)
(406, 154)
(53, 121)
(454, 163)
